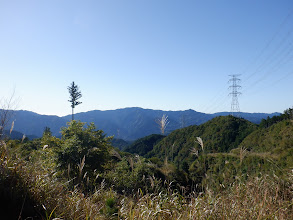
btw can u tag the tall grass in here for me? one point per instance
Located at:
(259, 198)
(39, 192)
(42, 194)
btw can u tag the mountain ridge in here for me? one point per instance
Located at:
(125, 123)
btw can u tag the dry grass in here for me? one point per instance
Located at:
(49, 196)
(264, 197)
(163, 123)
(259, 198)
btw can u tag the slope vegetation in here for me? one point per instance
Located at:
(275, 141)
(81, 176)
(144, 145)
(220, 134)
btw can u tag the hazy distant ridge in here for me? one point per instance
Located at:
(126, 123)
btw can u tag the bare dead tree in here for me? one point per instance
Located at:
(7, 107)
(163, 123)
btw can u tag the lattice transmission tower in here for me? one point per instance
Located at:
(235, 110)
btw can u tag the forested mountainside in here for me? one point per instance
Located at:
(128, 123)
(225, 164)
(221, 134)
(144, 145)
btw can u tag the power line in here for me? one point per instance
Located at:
(276, 53)
(268, 44)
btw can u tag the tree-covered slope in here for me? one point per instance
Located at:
(143, 145)
(120, 143)
(220, 134)
(276, 141)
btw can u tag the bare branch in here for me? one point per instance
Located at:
(7, 107)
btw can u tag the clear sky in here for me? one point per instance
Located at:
(158, 54)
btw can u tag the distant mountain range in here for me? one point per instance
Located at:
(127, 123)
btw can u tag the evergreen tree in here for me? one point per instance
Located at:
(75, 94)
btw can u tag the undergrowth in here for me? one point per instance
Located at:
(36, 191)
(81, 177)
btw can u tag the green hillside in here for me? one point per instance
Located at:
(220, 134)
(227, 168)
(143, 145)
(119, 143)
(275, 141)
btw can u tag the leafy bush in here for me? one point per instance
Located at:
(84, 151)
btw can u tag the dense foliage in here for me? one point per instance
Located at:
(119, 143)
(84, 151)
(220, 134)
(288, 114)
(275, 141)
(227, 168)
(143, 145)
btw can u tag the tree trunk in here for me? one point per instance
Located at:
(72, 115)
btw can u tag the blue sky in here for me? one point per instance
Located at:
(158, 54)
